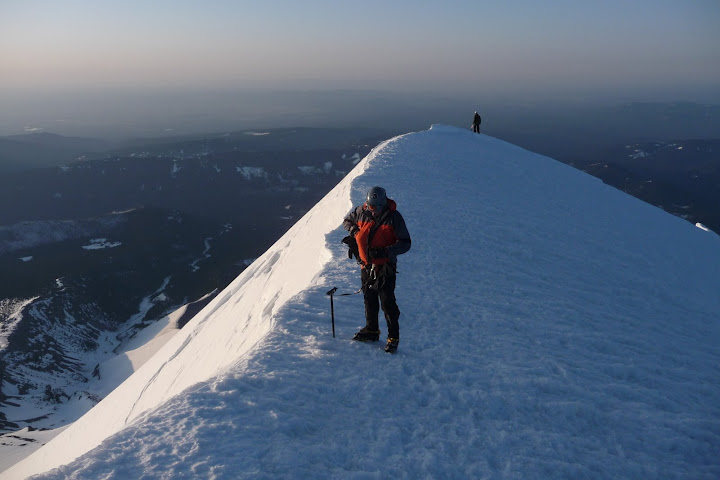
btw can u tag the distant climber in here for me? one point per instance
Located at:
(476, 123)
(378, 234)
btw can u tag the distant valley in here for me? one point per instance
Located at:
(92, 251)
(682, 177)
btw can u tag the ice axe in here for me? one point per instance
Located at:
(331, 292)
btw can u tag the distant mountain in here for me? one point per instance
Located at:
(22, 152)
(666, 120)
(59, 141)
(255, 140)
(36, 150)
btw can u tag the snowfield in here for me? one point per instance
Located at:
(100, 244)
(11, 313)
(551, 327)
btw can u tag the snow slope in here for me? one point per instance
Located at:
(552, 327)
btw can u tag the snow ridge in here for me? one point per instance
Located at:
(218, 337)
(552, 327)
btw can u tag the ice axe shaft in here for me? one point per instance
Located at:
(332, 308)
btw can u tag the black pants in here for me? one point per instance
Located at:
(381, 292)
(476, 128)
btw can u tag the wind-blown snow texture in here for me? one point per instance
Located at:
(552, 327)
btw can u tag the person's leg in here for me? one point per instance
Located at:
(386, 292)
(371, 310)
(372, 304)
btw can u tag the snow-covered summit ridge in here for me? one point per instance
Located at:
(220, 335)
(552, 327)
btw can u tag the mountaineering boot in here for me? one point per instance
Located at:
(391, 345)
(367, 335)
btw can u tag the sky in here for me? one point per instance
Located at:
(522, 50)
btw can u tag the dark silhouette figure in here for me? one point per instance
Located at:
(476, 123)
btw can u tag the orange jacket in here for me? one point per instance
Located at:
(381, 243)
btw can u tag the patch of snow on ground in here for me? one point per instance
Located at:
(309, 170)
(25, 259)
(100, 244)
(195, 265)
(639, 154)
(10, 314)
(16, 445)
(147, 303)
(702, 227)
(140, 348)
(160, 298)
(175, 168)
(112, 371)
(122, 212)
(252, 172)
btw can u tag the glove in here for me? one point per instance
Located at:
(352, 247)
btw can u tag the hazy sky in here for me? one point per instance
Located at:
(522, 49)
(369, 44)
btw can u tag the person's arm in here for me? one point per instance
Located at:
(350, 221)
(350, 224)
(401, 232)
